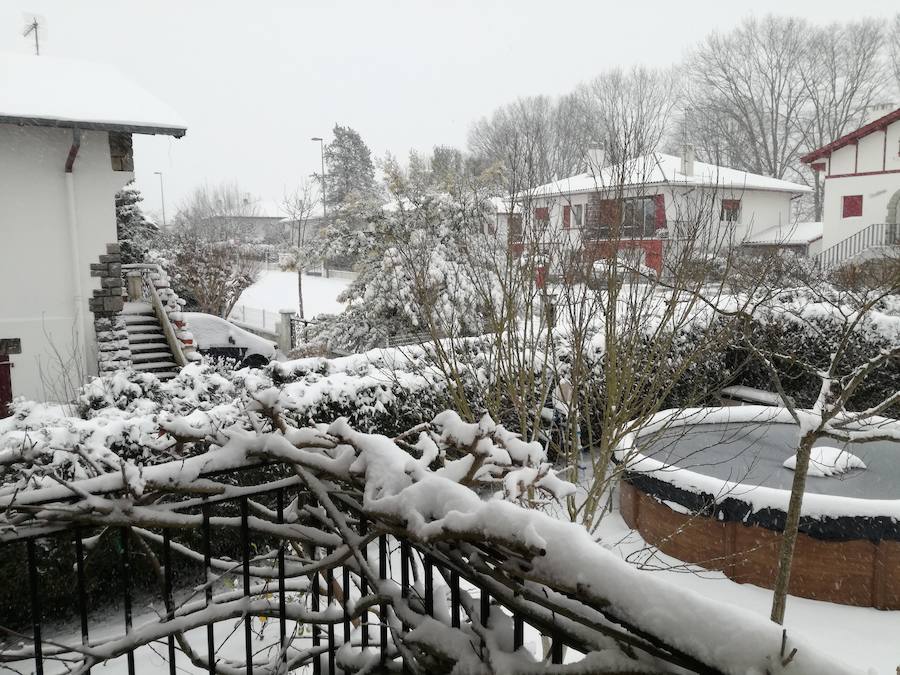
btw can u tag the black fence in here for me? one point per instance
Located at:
(224, 554)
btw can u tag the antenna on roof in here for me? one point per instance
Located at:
(35, 24)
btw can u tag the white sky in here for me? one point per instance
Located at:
(256, 80)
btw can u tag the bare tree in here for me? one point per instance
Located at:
(750, 82)
(835, 414)
(894, 51)
(629, 111)
(302, 251)
(218, 212)
(843, 74)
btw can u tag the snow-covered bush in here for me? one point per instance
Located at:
(801, 329)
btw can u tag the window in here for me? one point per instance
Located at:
(639, 216)
(572, 216)
(542, 214)
(636, 216)
(731, 211)
(852, 206)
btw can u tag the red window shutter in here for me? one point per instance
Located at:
(567, 217)
(852, 206)
(542, 214)
(660, 203)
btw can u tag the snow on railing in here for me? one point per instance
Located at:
(368, 558)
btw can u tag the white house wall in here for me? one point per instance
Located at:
(37, 293)
(876, 190)
(760, 209)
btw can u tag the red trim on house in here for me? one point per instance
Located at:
(884, 153)
(819, 166)
(567, 217)
(862, 173)
(605, 248)
(659, 202)
(856, 157)
(880, 124)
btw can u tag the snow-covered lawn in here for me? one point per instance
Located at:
(275, 290)
(865, 637)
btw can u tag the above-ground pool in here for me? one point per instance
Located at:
(712, 488)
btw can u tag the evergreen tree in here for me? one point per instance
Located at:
(134, 230)
(351, 172)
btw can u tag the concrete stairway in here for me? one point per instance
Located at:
(150, 353)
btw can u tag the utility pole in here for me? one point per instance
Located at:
(33, 28)
(162, 196)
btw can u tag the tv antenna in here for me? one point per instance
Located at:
(35, 25)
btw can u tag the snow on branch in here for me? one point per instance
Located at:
(449, 495)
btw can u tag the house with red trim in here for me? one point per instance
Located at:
(861, 204)
(651, 201)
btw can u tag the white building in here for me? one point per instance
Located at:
(652, 200)
(65, 150)
(862, 187)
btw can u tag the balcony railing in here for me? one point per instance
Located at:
(872, 238)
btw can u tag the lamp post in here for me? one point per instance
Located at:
(324, 207)
(162, 196)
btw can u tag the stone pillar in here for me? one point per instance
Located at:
(113, 351)
(285, 330)
(135, 286)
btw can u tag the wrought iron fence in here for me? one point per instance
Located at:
(221, 561)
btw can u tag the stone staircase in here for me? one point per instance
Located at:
(150, 353)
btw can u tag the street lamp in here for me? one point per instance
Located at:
(162, 196)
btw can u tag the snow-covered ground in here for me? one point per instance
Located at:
(865, 637)
(275, 290)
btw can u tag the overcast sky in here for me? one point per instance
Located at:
(255, 80)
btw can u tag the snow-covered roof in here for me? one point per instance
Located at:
(661, 169)
(47, 91)
(793, 233)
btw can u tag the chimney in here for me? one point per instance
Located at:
(687, 160)
(596, 156)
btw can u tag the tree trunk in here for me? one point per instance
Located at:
(300, 291)
(791, 527)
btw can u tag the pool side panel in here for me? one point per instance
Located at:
(850, 571)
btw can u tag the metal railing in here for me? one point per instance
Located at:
(872, 237)
(259, 317)
(243, 571)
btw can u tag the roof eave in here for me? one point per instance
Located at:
(166, 130)
(876, 125)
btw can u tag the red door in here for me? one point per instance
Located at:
(5, 386)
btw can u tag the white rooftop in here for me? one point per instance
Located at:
(48, 91)
(793, 233)
(661, 169)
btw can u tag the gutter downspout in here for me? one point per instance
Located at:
(74, 243)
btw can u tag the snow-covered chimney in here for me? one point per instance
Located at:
(687, 160)
(596, 156)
